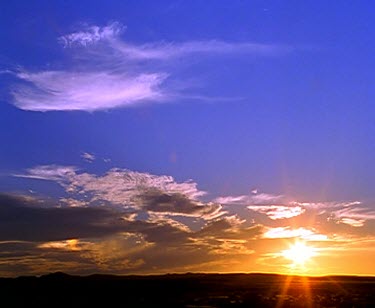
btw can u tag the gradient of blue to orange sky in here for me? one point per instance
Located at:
(172, 136)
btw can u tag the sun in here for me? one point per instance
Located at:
(299, 253)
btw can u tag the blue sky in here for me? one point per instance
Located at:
(267, 102)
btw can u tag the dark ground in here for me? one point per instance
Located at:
(188, 290)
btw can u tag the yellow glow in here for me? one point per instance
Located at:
(72, 245)
(299, 253)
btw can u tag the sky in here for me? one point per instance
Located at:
(143, 137)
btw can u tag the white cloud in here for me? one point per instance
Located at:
(287, 232)
(50, 172)
(159, 194)
(90, 91)
(326, 205)
(163, 51)
(353, 222)
(123, 186)
(88, 157)
(92, 35)
(112, 73)
(254, 198)
(277, 211)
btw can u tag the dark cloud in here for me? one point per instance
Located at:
(24, 219)
(230, 227)
(39, 235)
(178, 204)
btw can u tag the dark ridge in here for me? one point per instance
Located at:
(188, 290)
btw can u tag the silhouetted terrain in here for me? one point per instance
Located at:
(188, 290)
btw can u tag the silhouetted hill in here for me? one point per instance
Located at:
(189, 290)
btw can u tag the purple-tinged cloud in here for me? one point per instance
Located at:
(109, 72)
(50, 172)
(89, 91)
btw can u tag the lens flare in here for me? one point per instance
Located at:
(299, 253)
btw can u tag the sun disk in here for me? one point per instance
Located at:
(299, 253)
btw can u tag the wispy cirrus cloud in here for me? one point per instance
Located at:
(89, 91)
(110, 35)
(112, 73)
(56, 173)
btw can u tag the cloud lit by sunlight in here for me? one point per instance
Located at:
(287, 232)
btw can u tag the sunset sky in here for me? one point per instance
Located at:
(142, 137)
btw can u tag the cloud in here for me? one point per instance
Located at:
(288, 232)
(161, 50)
(355, 216)
(129, 190)
(353, 222)
(178, 204)
(229, 227)
(88, 157)
(352, 213)
(31, 220)
(268, 204)
(51, 223)
(108, 72)
(254, 198)
(71, 202)
(326, 205)
(138, 191)
(92, 34)
(89, 91)
(165, 219)
(70, 245)
(84, 240)
(125, 221)
(277, 211)
(165, 51)
(50, 172)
